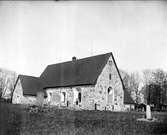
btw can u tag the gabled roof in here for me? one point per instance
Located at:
(72, 73)
(30, 84)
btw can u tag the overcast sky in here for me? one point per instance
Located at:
(35, 34)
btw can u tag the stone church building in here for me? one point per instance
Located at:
(89, 83)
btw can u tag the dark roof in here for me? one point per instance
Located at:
(72, 73)
(30, 84)
(127, 98)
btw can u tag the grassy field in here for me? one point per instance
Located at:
(17, 120)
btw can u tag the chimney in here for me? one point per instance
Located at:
(74, 58)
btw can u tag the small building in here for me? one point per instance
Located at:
(128, 101)
(26, 90)
(89, 83)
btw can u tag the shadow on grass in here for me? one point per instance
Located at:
(17, 121)
(10, 121)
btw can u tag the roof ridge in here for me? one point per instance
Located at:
(28, 76)
(79, 59)
(83, 71)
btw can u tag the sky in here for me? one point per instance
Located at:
(35, 34)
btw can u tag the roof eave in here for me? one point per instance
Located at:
(132, 103)
(47, 87)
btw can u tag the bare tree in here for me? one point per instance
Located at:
(160, 79)
(126, 78)
(135, 81)
(147, 76)
(155, 88)
(2, 82)
(132, 84)
(7, 81)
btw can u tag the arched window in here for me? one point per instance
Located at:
(110, 90)
(77, 95)
(110, 95)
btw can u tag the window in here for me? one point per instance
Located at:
(109, 90)
(110, 62)
(79, 97)
(115, 99)
(109, 76)
(110, 95)
(64, 96)
(77, 102)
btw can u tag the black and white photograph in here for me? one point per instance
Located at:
(73, 67)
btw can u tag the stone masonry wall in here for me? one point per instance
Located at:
(107, 94)
(113, 100)
(55, 97)
(91, 95)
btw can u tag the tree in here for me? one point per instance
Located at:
(147, 76)
(132, 84)
(147, 80)
(160, 79)
(125, 77)
(7, 81)
(155, 88)
(2, 82)
(135, 81)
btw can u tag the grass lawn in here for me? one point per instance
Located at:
(17, 120)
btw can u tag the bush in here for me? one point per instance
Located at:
(40, 99)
